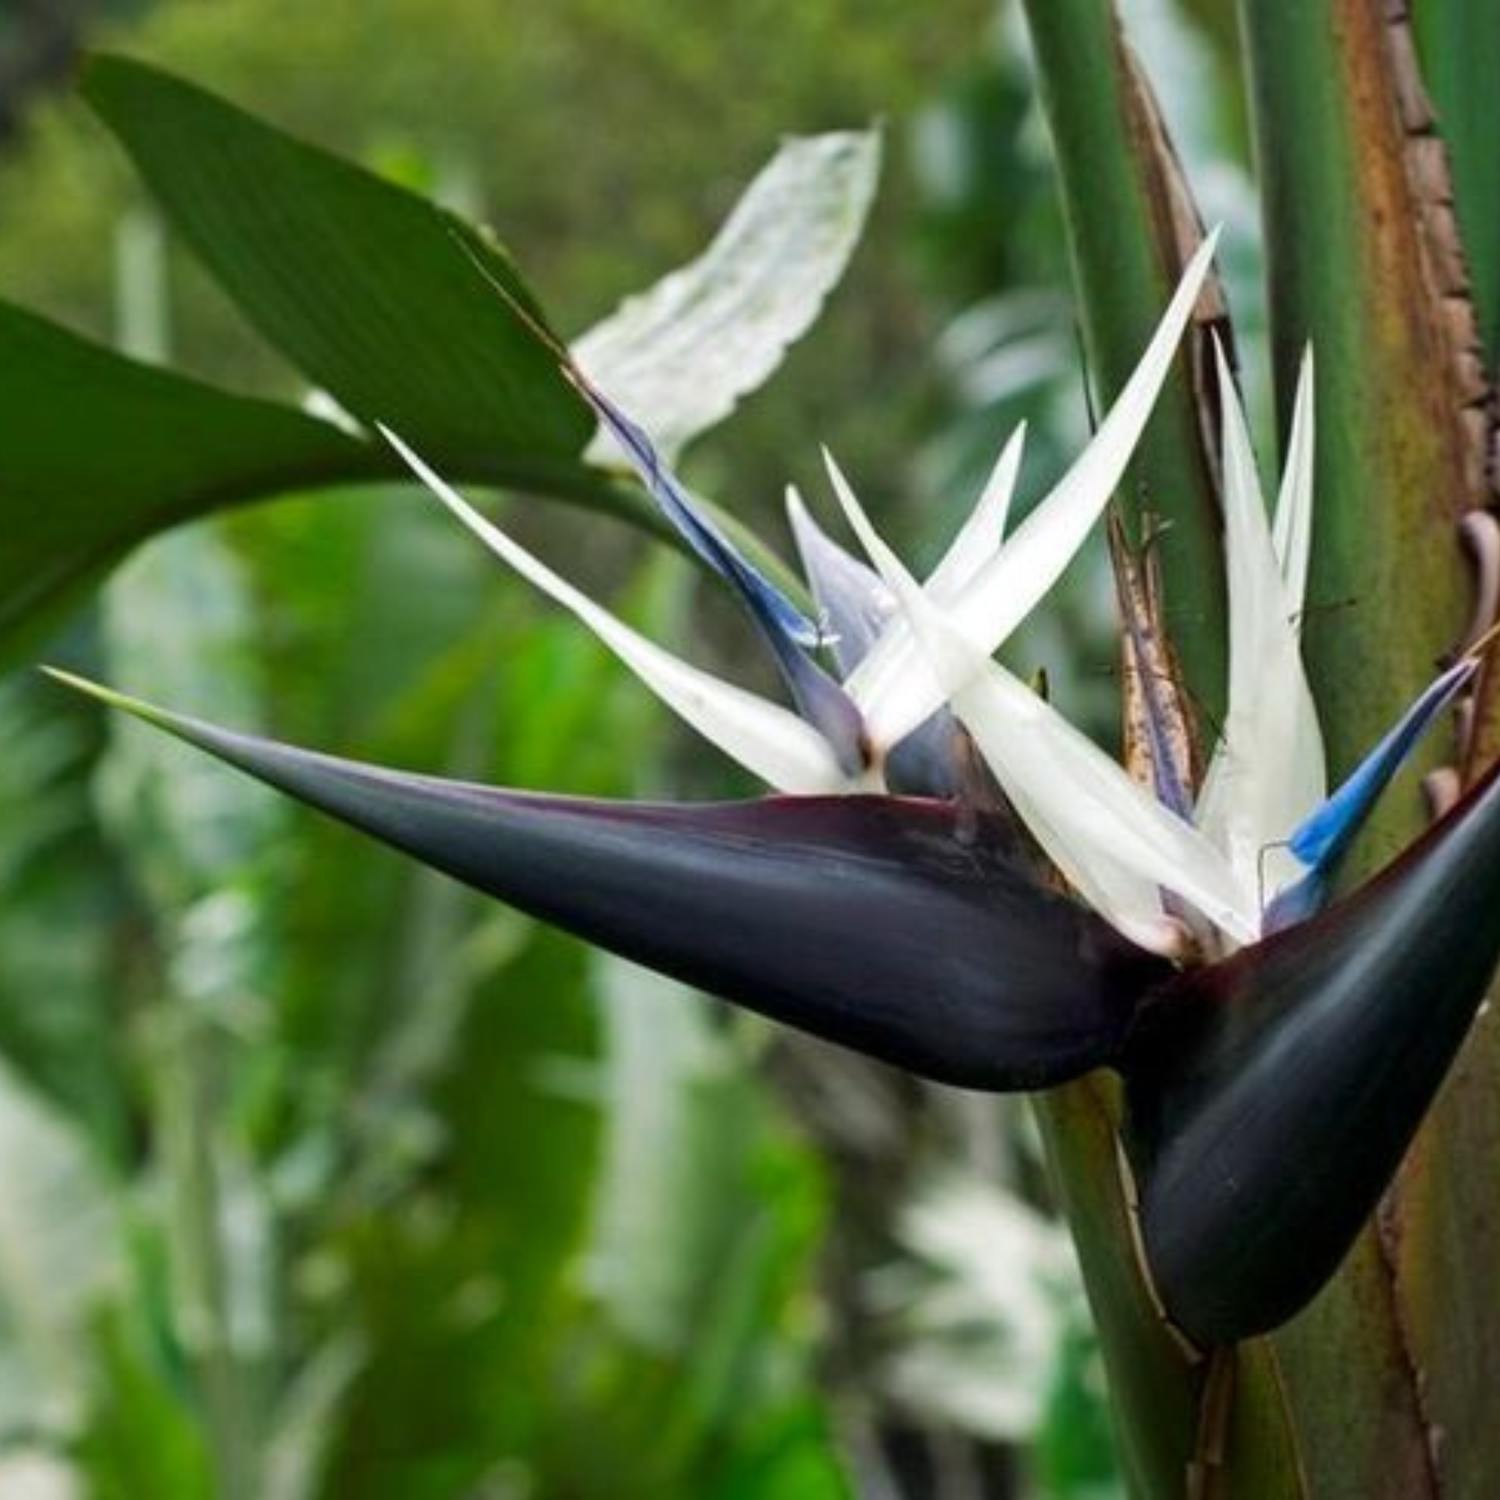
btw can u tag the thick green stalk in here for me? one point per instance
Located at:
(1460, 53)
(1345, 1402)
(1460, 42)
(1349, 270)
(1155, 1390)
(1348, 198)
(1127, 219)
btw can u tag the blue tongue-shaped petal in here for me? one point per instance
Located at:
(764, 599)
(787, 631)
(1323, 840)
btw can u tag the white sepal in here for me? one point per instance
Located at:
(768, 740)
(1292, 530)
(1267, 773)
(1115, 843)
(1005, 590)
(980, 537)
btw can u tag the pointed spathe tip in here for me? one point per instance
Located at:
(110, 697)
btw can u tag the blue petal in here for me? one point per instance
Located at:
(1324, 838)
(766, 602)
(787, 631)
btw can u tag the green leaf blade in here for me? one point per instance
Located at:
(375, 294)
(98, 451)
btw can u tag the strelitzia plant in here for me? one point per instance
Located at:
(923, 927)
(1249, 1049)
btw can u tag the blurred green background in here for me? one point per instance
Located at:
(324, 1177)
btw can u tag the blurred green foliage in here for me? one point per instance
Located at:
(404, 1196)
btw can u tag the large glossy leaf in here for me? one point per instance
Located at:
(390, 304)
(680, 355)
(97, 451)
(403, 313)
(897, 927)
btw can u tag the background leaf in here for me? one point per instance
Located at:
(61, 1257)
(387, 302)
(679, 356)
(378, 296)
(99, 451)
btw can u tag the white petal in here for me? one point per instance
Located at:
(1111, 838)
(920, 677)
(1268, 773)
(980, 536)
(765, 738)
(1292, 533)
(1005, 590)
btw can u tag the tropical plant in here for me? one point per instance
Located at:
(1269, 1332)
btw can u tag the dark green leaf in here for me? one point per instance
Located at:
(390, 304)
(99, 451)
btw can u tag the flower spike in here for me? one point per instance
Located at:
(765, 601)
(788, 633)
(1292, 530)
(857, 605)
(769, 606)
(1267, 773)
(978, 539)
(893, 926)
(786, 630)
(936, 759)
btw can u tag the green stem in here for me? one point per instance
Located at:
(1461, 61)
(191, 1105)
(1364, 1370)
(1124, 208)
(1387, 589)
